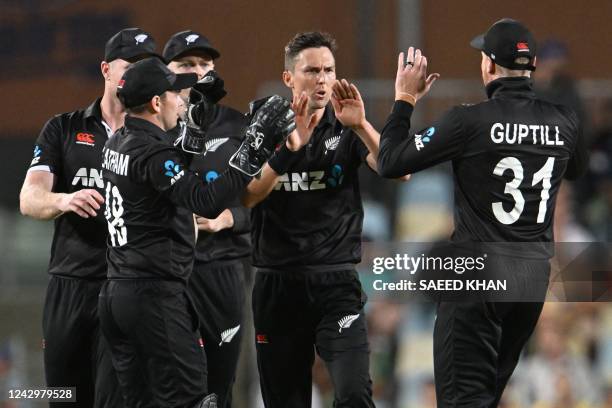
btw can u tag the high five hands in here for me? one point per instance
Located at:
(412, 81)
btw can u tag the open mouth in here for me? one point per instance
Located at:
(321, 94)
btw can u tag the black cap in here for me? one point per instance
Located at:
(130, 44)
(505, 42)
(147, 78)
(188, 41)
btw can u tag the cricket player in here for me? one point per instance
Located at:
(509, 155)
(306, 230)
(223, 249)
(64, 184)
(146, 312)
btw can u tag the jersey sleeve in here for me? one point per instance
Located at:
(360, 150)
(579, 160)
(404, 152)
(241, 215)
(242, 219)
(167, 173)
(47, 155)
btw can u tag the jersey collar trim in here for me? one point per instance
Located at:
(515, 85)
(327, 118)
(94, 110)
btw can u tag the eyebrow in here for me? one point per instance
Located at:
(309, 67)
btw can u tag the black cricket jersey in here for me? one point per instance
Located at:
(509, 155)
(151, 197)
(223, 138)
(313, 217)
(70, 146)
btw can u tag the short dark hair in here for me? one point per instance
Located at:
(301, 41)
(142, 108)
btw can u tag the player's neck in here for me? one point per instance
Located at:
(318, 114)
(112, 112)
(149, 117)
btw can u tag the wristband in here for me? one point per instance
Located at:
(283, 159)
(406, 97)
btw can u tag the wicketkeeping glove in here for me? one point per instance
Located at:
(209, 402)
(210, 87)
(191, 139)
(201, 111)
(272, 120)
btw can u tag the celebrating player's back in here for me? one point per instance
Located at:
(509, 156)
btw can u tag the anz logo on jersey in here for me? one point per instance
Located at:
(88, 178)
(173, 171)
(421, 140)
(311, 180)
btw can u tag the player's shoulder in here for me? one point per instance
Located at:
(68, 117)
(64, 121)
(563, 110)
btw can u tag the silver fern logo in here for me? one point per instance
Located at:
(228, 335)
(140, 38)
(213, 144)
(332, 143)
(191, 38)
(347, 321)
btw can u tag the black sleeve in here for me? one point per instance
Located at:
(283, 159)
(167, 173)
(242, 219)
(360, 149)
(404, 153)
(242, 215)
(579, 161)
(48, 149)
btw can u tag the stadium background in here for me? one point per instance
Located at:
(51, 50)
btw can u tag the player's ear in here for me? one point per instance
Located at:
(105, 70)
(490, 65)
(155, 104)
(288, 78)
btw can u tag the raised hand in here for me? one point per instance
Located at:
(412, 81)
(304, 123)
(348, 104)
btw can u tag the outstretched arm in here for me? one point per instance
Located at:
(261, 187)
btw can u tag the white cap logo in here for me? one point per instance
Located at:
(191, 38)
(140, 38)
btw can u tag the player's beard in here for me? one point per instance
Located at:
(315, 104)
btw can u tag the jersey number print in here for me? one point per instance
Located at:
(113, 214)
(541, 176)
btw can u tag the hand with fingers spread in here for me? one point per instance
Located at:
(348, 104)
(412, 81)
(84, 202)
(304, 123)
